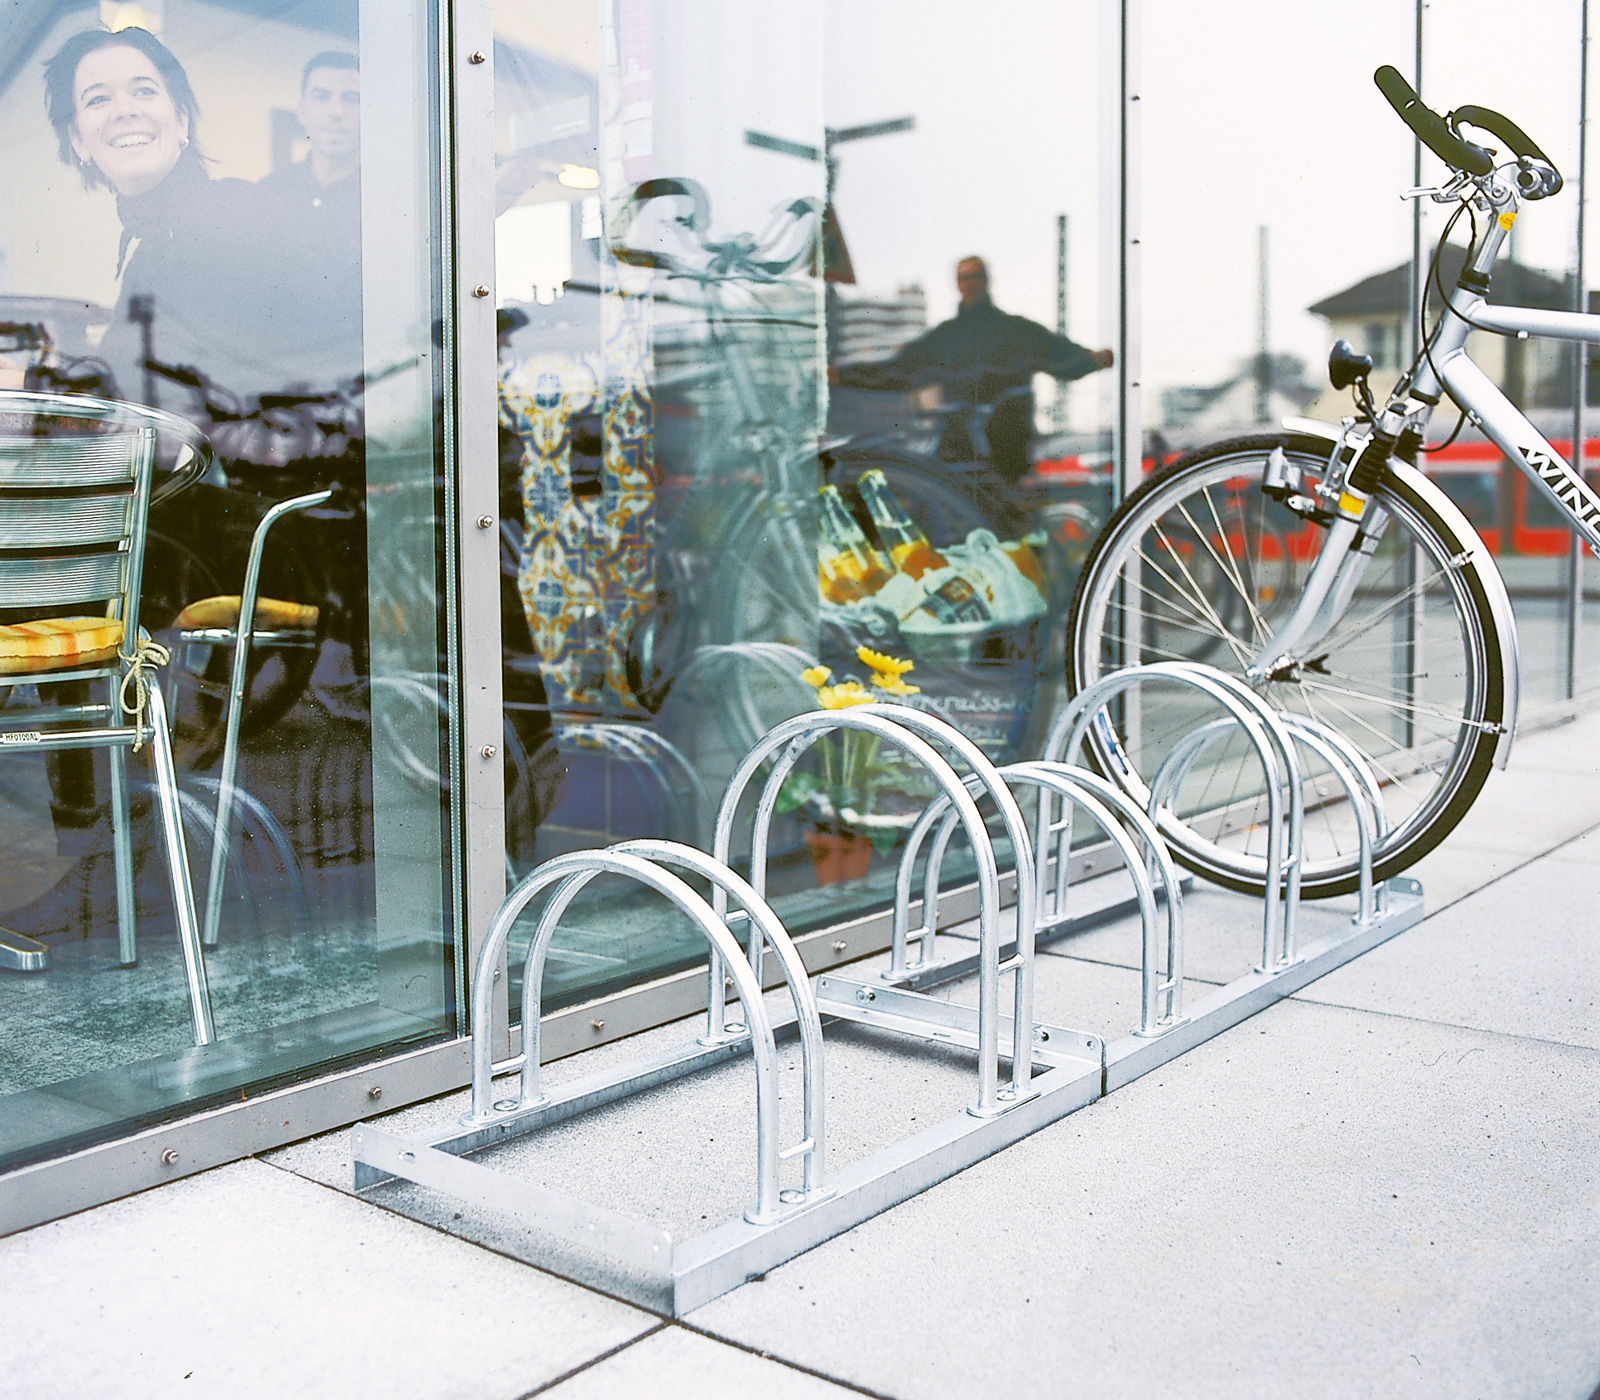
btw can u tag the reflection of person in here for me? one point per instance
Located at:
(982, 356)
(312, 210)
(126, 117)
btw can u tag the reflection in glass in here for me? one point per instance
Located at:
(748, 479)
(232, 218)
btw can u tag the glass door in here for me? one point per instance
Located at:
(230, 212)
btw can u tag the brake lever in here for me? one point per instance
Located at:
(1441, 194)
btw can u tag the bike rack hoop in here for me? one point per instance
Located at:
(1110, 808)
(1279, 764)
(1348, 766)
(569, 874)
(915, 733)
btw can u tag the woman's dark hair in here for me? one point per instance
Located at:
(61, 103)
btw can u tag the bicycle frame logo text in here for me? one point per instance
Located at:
(1568, 486)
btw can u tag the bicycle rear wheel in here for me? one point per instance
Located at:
(1200, 564)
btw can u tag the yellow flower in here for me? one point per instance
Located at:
(843, 696)
(894, 685)
(816, 676)
(888, 665)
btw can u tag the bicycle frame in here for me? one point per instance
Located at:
(1443, 368)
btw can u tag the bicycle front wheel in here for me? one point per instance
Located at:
(1200, 564)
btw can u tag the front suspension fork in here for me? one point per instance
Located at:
(1351, 541)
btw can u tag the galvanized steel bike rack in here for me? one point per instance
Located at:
(1285, 966)
(1053, 919)
(1054, 1071)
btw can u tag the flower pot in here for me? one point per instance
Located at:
(838, 855)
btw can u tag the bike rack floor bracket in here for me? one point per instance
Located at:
(1101, 900)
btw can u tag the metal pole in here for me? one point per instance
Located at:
(1580, 358)
(1263, 333)
(1409, 621)
(1120, 38)
(1059, 405)
(1416, 288)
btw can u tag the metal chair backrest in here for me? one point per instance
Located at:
(75, 491)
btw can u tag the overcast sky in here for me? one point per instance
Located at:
(1254, 112)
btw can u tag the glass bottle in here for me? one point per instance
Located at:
(848, 567)
(907, 544)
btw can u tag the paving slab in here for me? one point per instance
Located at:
(677, 1364)
(1320, 1202)
(1519, 956)
(249, 1281)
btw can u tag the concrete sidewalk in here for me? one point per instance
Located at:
(1386, 1185)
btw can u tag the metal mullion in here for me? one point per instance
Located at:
(472, 465)
(1580, 378)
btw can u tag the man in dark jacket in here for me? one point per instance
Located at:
(311, 212)
(982, 358)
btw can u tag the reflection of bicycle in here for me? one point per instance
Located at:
(738, 558)
(1326, 569)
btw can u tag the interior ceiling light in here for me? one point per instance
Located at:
(579, 177)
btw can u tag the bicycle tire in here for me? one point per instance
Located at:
(1429, 732)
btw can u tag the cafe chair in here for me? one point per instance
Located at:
(240, 622)
(76, 478)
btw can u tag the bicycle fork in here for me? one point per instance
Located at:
(1352, 539)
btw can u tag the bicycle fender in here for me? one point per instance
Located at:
(1466, 546)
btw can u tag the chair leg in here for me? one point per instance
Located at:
(122, 858)
(222, 835)
(238, 687)
(178, 864)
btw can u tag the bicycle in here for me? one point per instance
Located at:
(1395, 627)
(739, 533)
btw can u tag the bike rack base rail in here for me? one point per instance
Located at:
(1130, 1056)
(677, 1276)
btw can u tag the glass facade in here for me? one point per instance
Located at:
(783, 423)
(827, 341)
(231, 213)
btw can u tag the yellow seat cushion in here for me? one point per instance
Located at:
(57, 644)
(272, 614)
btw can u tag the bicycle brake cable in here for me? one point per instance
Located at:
(1435, 280)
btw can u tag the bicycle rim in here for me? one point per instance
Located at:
(1199, 564)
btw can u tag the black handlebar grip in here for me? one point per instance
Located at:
(1514, 136)
(1430, 126)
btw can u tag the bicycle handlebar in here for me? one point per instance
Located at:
(1431, 128)
(1521, 144)
(733, 258)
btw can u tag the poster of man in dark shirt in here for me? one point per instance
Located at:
(313, 209)
(982, 359)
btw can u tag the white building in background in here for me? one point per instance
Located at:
(868, 329)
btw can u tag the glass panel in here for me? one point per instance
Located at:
(724, 234)
(1535, 268)
(229, 211)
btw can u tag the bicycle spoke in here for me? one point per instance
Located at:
(1240, 651)
(1226, 562)
(1339, 639)
(1391, 703)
